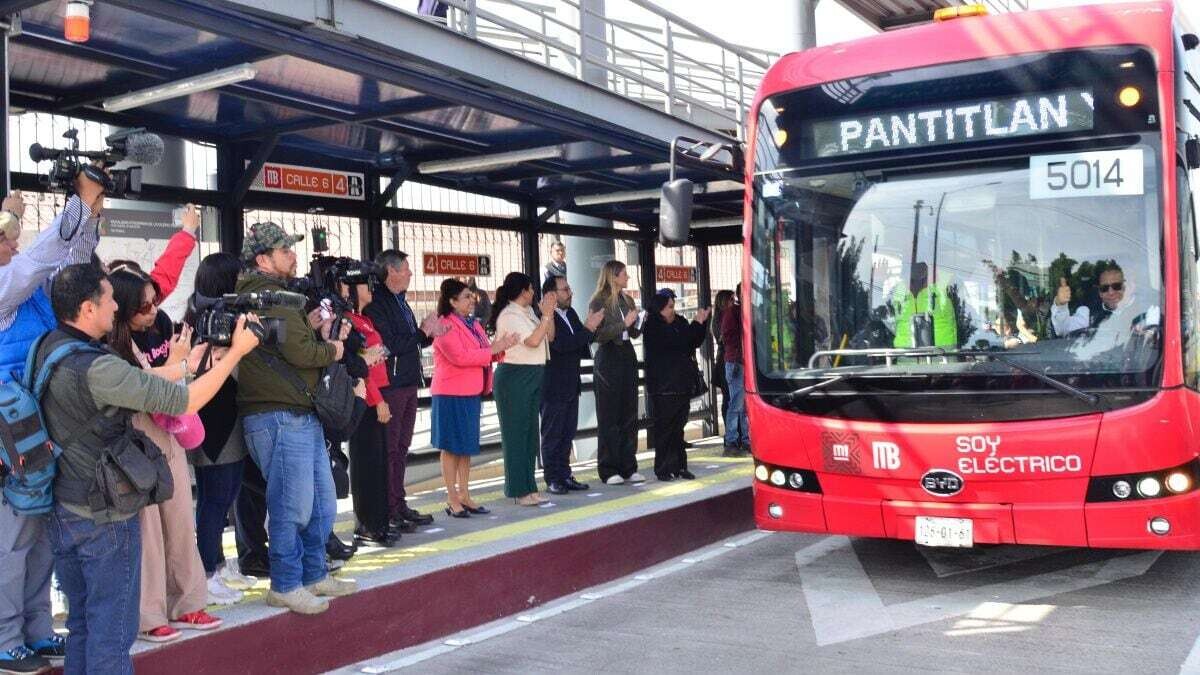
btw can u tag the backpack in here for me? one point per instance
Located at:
(27, 453)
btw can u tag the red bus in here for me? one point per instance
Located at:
(971, 274)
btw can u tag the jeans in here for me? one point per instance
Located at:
(301, 502)
(216, 489)
(737, 427)
(99, 567)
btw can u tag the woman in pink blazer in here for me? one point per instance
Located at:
(462, 375)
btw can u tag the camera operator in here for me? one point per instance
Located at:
(27, 637)
(284, 435)
(88, 408)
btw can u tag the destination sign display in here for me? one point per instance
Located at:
(1057, 112)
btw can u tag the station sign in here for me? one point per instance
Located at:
(457, 264)
(310, 181)
(675, 274)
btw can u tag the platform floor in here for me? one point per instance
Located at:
(717, 495)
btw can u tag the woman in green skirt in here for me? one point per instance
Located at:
(518, 383)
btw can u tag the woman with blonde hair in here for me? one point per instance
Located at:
(616, 377)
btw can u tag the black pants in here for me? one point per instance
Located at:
(560, 419)
(369, 473)
(616, 410)
(670, 416)
(251, 528)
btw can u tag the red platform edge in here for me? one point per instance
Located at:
(420, 609)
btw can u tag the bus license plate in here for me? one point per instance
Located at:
(951, 532)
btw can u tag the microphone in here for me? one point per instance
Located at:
(144, 148)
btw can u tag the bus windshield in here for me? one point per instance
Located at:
(1048, 258)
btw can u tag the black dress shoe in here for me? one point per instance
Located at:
(557, 489)
(664, 477)
(478, 510)
(401, 525)
(416, 516)
(381, 539)
(339, 550)
(686, 475)
(457, 514)
(573, 484)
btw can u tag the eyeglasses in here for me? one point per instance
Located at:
(1118, 287)
(146, 307)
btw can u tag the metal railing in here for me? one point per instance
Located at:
(638, 49)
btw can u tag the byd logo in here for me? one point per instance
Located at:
(942, 483)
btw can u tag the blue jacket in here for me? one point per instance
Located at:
(401, 338)
(25, 312)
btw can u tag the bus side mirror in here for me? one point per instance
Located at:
(1190, 41)
(1192, 153)
(675, 212)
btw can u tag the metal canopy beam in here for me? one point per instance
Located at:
(403, 107)
(370, 28)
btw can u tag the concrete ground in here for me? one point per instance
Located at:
(766, 602)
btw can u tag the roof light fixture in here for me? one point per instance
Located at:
(77, 21)
(184, 87)
(499, 159)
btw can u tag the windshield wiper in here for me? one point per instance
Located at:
(1096, 401)
(805, 391)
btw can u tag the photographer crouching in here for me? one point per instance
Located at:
(284, 435)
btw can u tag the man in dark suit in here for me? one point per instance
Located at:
(561, 385)
(404, 337)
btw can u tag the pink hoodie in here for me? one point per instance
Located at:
(462, 360)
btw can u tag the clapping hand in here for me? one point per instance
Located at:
(594, 320)
(503, 342)
(631, 317)
(548, 303)
(432, 327)
(703, 314)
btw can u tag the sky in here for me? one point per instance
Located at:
(834, 24)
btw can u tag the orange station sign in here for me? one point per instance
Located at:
(303, 180)
(675, 274)
(456, 264)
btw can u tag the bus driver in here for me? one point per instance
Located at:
(1116, 302)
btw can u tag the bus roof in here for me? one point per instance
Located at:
(1144, 23)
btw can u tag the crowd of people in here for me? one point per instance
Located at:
(141, 405)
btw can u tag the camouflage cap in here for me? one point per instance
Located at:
(263, 237)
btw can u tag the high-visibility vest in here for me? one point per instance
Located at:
(933, 300)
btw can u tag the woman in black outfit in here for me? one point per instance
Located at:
(670, 342)
(723, 300)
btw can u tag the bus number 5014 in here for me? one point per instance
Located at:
(1086, 174)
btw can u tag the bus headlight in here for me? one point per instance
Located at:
(1121, 489)
(761, 472)
(795, 480)
(1178, 482)
(778, 478)
(1149, 487)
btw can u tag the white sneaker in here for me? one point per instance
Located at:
(220, 594)
(636, 477)
(614, 480)
(234, 579)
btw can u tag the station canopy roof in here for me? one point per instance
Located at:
(355, 84)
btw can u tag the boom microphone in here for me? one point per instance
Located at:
(144, 148)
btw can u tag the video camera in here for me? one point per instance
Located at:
(321, 286)
(134, 145)
(216, 318)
